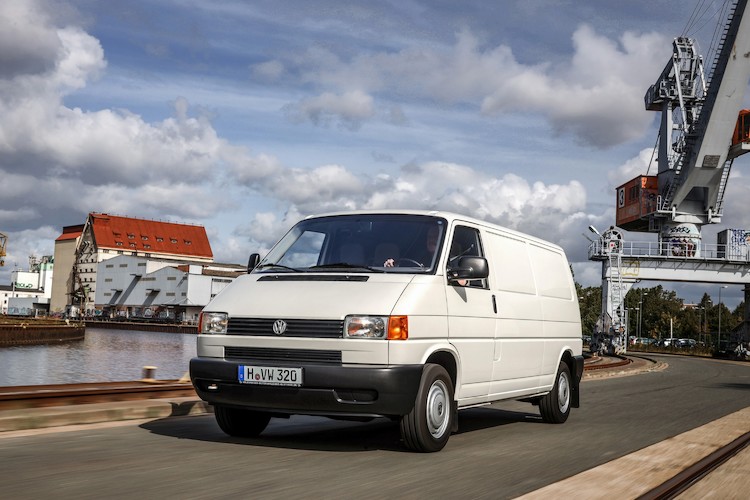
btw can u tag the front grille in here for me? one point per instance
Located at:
(284, 355)
(307, 328)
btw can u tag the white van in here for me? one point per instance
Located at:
(411, 315)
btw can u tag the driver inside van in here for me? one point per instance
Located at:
(431, 241)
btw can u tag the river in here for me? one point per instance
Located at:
(104, 356)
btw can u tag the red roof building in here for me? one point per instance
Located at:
(149, 236)
(79, 250)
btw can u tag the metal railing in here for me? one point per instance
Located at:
(600, 250)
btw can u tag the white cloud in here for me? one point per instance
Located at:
(348, 109)
(27, 43)
(70, 160)
(595, 96)
(547, 210)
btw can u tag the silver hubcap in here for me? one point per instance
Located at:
(438, 409)
(563, 393)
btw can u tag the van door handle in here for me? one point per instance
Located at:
(494, 304)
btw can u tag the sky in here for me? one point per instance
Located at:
(245, 116)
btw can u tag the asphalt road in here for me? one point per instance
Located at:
(499, 452)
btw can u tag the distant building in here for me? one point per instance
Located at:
(30, 291)
(155, 289)
(80, 249)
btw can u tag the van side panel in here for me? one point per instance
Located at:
(518, 338)
(559, 305)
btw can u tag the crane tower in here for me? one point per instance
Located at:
(700, 135)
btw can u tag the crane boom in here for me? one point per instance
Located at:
(696, 197)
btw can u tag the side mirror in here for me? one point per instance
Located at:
(252, 262)
(469, 268)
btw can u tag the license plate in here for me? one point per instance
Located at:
(270, 375)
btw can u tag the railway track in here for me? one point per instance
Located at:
(688, 477)
(35, 396)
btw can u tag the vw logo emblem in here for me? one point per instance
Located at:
(279, 326)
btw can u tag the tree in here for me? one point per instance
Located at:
(590, 301)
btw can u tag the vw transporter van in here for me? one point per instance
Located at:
(411, 315)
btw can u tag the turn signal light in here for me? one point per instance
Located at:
(398, 328)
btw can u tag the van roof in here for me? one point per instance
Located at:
(449, 216)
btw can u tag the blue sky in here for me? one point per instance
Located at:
(246, 116)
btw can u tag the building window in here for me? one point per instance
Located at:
(144, 237)
(141, 264)
(170, 294)
(108, 280)
(107, 294)
(110, 266)
(173, 240)
(159, 239)
(131, 236)
(118, 243)
(188, 242)
(171, 278)
(123, 265)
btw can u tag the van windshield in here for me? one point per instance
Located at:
(359, 243)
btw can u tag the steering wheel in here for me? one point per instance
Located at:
(408, 261)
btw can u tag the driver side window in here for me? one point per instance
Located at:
(466, 242)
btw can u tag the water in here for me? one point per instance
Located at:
(104, 356)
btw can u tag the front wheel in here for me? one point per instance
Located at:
(241, 423)
(427, 427)
(555, 406)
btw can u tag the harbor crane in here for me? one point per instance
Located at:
(700, 136)
(3, 241)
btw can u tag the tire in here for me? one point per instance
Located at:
(241, 423)
(555, 406)
(427, 427)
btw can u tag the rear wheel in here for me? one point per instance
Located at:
(427, 427)
(555, 406)
(241, 423)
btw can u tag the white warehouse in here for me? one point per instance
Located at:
(152, 289)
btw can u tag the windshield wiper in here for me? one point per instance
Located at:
(278, 266)
(346, 265)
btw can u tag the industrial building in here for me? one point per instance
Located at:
(80, 250)
(131, 287)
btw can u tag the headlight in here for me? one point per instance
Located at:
(376, 327)
(213, 322)
(366, 327)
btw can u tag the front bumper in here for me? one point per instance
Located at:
(326, 390)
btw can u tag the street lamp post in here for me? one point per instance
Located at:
(707, 333)
(640, 314)
(718, 340)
